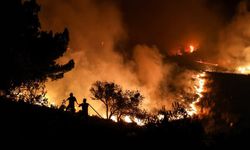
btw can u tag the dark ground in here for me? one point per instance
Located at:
(21, 121)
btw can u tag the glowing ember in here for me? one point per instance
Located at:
(199, 91)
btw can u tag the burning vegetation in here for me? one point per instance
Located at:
(128, 74)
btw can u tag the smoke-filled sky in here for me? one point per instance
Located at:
(127, 42)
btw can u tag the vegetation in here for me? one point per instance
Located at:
(117, 102)
(28, 54)
(28, 58)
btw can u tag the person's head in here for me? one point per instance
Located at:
(84, 100)
(71, 94)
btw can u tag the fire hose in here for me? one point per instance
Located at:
(95, 111)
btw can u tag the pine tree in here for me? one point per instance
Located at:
(29, 54)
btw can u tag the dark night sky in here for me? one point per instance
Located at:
(167, 23)
(170, 23)
(146, 31)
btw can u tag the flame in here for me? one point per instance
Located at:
(139, 122)
(160, 117)
(114, 118)
(188, 49)
(127, 119)
(243, 69)
(199, 91)
(191, 48)
(207, 63)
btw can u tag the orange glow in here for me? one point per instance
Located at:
(127, 119)
(114, 118)
(187, 49)
(191, 47)
(206, 63)
(139, 122)
(199, 88)
(243, 69)
(160, 117)
(51, 103)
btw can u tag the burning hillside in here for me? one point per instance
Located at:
(167, 67)
(172, 70)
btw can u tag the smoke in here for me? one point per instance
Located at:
(151, 72)
(171, 24)
(234, 45)
(94, 30)
(98, 27)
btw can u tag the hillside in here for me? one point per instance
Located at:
(229, 117)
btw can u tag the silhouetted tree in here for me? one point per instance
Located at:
(29, 54)
(116, 101)
(106, 92)
(128, 104)
(178, 112)
(30, 92)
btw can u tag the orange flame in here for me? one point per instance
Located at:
(188, 49)
(243, 69)
(199, 91)
(191, 47)
(128, 119)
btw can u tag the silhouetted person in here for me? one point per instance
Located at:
(84, 106)
(71, 106)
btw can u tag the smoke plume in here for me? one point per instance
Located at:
(150, 33)
(234, 45)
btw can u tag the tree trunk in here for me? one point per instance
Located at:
(107, 111)
(119, 117)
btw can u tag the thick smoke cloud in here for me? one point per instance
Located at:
(150, 29)
(94, 29)
(234, 45)
(171, 24)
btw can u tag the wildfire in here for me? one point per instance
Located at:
(186, 50)
(139, 122)
(207, 63)
(199, 91)
(191, 48)
(114, 118)
(244, 69)
(129, 120)
(160, 116)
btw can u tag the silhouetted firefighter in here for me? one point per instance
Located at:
(84, 106)
(71, 106)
